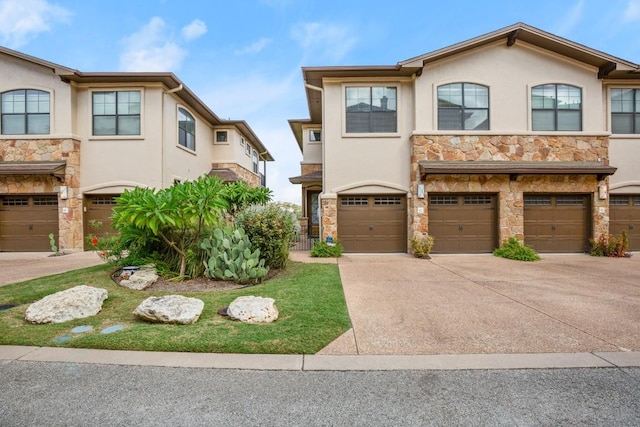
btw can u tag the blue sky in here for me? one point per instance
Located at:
(243, 57)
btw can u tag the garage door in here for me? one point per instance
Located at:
(557, 223)
(26, 222)
(465, 223)
(373, 223)
(97, 215)
(624, 214)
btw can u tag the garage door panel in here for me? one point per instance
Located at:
(463, 223)
(624, 211)
(372, 223)
(26, 222)
(556, 223)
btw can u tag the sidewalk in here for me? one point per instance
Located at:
(287, 362)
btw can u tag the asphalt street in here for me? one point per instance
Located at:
(71, 394)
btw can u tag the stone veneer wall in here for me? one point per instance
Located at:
(311, 167)
(329, 218)
(510, 193)
(246, 175)
(70, 224)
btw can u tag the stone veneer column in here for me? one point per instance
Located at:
(330, 218)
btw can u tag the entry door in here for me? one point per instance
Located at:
(464, 223)
(313, 205)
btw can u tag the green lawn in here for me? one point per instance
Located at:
(309, 298)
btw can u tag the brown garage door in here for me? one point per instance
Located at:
(97, 215)
(464, 223)
(624, 214)
(373, 223)
(26, 222)
(556, 223)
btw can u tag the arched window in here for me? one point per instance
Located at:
(556, 107)
(186, 129)
(463, 106)
(25, 112)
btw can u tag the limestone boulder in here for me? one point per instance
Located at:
(170, 309)
(251, 309)
(75, 303)
(140, 279)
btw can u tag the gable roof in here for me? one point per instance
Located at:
(168, 79)
(609, 66)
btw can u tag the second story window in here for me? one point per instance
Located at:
(625, 111)
(186, 129)
(315, 136)
(254, 158)
(371, 109)
(25, 112)
(463, 106)
(116, 113)
(556, 107)
(222, 136)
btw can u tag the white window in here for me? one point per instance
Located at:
(371, 109)
(186, 129)
(254, 158)
(315, 135)
(116, 112)
(25, 112)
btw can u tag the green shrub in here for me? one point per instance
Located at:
(323, 249)
(513, 249)
(231, 258)
(611, 246)
(270, 229)
(421, 246)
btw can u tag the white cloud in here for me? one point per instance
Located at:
(195, 29)
(633, 11)
(571, 19)
(20, 21)
(324, 41)
(152, 49)
(254, 47)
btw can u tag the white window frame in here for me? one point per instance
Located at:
(117, 89)
(378, 83)
(195, 124)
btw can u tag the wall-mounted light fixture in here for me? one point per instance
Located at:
(64, 192)
(420, 191)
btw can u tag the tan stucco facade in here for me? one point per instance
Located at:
(510, 63)
(109, 165)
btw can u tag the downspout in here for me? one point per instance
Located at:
(163, 166)
(324, 145)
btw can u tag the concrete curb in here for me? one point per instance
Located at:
(271, 362)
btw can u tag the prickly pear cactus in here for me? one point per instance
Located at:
(231, 258)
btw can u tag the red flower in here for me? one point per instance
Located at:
(94, 241)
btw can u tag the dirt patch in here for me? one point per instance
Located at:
(200, 284)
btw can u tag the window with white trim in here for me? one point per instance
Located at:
(254, 158)
(315, 135)
(116, 112)
(463, 106)
(25, 112)
(625, 111)
(371, 109)
(186, 129)
(556, 107)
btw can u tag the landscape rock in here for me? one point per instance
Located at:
(75, 303)
(251, 309)
(140, 279)
(170, 309)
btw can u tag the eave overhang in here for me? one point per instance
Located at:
(315, 176)
(513, 168)
(54, 168)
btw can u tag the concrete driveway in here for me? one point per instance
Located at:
(480, 304)
(21, 266)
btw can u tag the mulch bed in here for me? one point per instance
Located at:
(200, 284)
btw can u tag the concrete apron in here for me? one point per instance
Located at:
(480, 304)
(20, 266)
